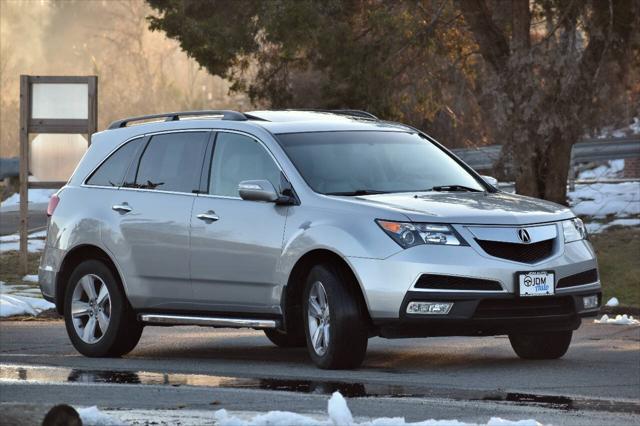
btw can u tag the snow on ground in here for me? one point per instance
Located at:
(610, 169)
(21, 305)
(601, 199)
(618, 320)
(36, 196)
(21, 299)
(28, 290)
(30, 278)
(613, 302)
(93, 416)
(338, 414)
(597, 227)
(631, 129)
(12, 242)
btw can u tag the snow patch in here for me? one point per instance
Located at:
(36, 196)
(11, 305)
(338, 410)
(618, 320)
(598, 227)
(613, 302)
(602, 199)
(340, 415)
(610, 169)
(35, 242)
(21, 299)
(93, 416)
(30, 278)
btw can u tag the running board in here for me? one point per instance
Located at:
(208, 321)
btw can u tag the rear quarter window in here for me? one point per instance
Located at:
(112, 171)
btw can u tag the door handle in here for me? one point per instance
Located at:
(122, 208)
(209, 216)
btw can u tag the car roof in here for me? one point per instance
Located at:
(274, 121)
(297, 121)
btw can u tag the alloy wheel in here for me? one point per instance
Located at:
(91, 308)
(318, 318)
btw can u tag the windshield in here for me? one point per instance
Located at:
(369, 162)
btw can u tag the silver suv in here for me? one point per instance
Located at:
(323, 228)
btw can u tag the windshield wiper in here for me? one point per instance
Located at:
(454, 188)
(358, 192)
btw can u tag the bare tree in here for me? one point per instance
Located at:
(547, 83)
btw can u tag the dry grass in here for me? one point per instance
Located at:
(10, 269)
(618, 253)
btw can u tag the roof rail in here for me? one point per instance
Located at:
(349, 112)
(354, 113)
(175, 116)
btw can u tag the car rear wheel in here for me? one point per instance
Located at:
(335, 324)
(551, 345)
(98, 317)
(285, 340)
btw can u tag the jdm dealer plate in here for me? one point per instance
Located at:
(538, 283)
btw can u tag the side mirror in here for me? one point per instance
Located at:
(490, 180)
(258, 190)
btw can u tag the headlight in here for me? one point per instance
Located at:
(408, 234)
(574, 230)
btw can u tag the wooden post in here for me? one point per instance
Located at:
(93, 107)
(25, 102)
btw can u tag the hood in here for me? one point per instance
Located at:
(470, 207)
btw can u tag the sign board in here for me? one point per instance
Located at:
(60, 101)
(51, 104)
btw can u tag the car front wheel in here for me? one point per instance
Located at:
(335, 324)
(550, 345)
(98, 317)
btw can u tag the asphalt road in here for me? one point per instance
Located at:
(197, 370)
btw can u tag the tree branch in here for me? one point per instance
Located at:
(491, 40)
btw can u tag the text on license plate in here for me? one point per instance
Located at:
(539, 283)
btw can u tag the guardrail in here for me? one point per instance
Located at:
(484, 158)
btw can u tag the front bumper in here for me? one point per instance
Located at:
(389, 284)
(481, 314)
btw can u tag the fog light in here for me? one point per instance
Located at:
(429, 308)
(590, 302)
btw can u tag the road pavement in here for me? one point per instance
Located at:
(197, 370)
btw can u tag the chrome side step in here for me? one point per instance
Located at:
(208, 321)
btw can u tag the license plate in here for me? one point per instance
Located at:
(539, 283)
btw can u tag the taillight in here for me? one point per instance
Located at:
(53, 203)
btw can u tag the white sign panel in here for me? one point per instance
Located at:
(60, 101)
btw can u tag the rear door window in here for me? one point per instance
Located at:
(172, 162)
(112, 171)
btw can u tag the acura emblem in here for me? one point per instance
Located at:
(524, 236)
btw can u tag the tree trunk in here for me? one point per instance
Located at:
(555, 170)
(542, 171)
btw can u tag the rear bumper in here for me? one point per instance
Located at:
(483, 314)
(48, 271)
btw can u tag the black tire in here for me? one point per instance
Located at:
(123, 331)
(285, 340)
(552, 345)
(347, 344)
